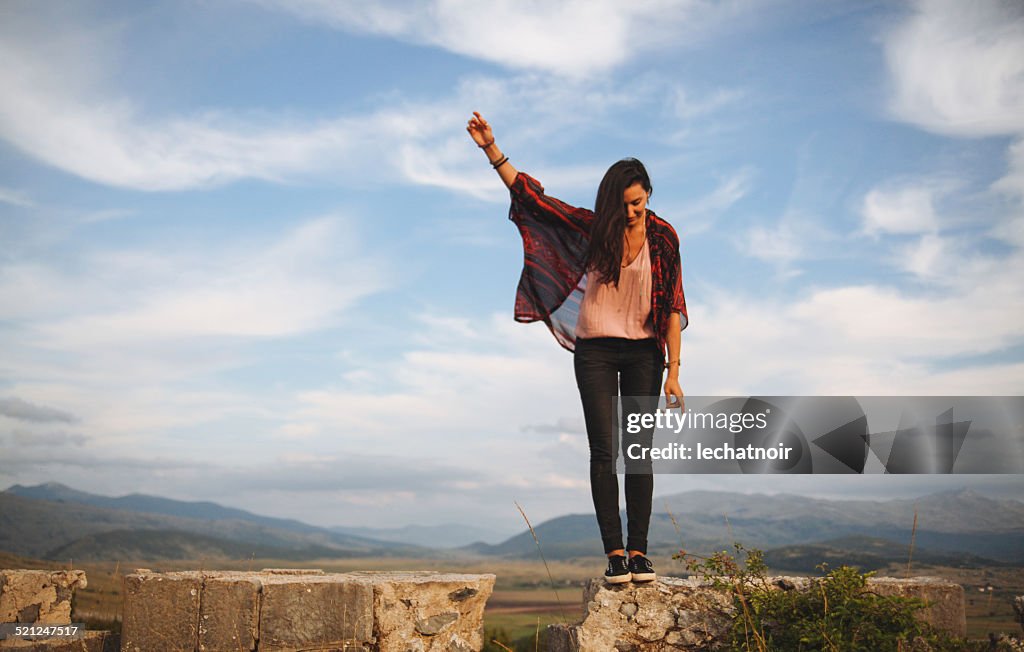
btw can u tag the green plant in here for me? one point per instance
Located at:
(835, 613)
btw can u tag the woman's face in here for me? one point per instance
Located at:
(635, 199)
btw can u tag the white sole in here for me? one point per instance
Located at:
(644, 577)
(618, 579)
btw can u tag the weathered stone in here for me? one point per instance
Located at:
(161, 611)
(944, 600)
(38, 596)
(653, 620)
(433, 625)
(94, 641)
(410, 605)
(562, 638)
(315, 612)
(229, 613)
(462, 594)
(308, 611)
(691, 614)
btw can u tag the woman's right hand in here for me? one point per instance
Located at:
(479, 130)
(482, 135)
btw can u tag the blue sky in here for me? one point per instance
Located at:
(249, 254)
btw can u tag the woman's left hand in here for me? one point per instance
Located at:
(674, 394)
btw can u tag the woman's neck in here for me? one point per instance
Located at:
(636, 230)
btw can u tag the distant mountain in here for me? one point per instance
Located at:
(59, 493)
(949, 522)
(567, 536)
(868, 553)
(959, 527)
(445, 535)
(35, 527)
(162, 545)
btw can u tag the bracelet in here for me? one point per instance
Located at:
(502, 161)
(669, 364)
(486, 145)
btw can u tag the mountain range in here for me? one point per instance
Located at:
(53, 521)
(963, 521)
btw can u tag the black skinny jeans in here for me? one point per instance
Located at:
(608, 367)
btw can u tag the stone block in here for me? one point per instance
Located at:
(670, 614)
(161, 612)
(944, 600)
(315, 612)
(38, 596)
(229, 612)
(420, 610)
(690, 614)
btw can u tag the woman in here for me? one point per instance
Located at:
(608, 284)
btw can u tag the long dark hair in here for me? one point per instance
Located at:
(604, 255)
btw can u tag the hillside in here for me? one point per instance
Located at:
(34, 528)
(953, 528)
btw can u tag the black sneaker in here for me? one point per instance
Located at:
(641, 569)
(618, 570)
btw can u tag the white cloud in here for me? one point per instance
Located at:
(928, 257)
(908, 209)
(1013, 182)
(572, 38)
(156, 328)
(699, 215)
(958, 67)
(686, 107)
(289, 287)
(869, 340)
(111, 141)
(15, 198)
(781, 245)
(63, 111)
(96, 131)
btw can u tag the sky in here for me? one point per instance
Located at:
(249, 254)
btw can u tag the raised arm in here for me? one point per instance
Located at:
(482, 135)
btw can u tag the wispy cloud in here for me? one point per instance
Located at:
(47, 438)
(96, 130)
(701, 214)
(277, 289)
(574, 38)
(17, 408)
(15, 198)
(687, 107)
(958, 67)
(111, 141)
(903, 210)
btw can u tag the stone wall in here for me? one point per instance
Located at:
(690, 614)
(43, 597)
(278, 610)
(38, 596)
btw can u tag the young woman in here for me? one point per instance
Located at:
(608, 283)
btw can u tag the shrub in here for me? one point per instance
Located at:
(835, 613)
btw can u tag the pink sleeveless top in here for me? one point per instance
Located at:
(623, 311)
